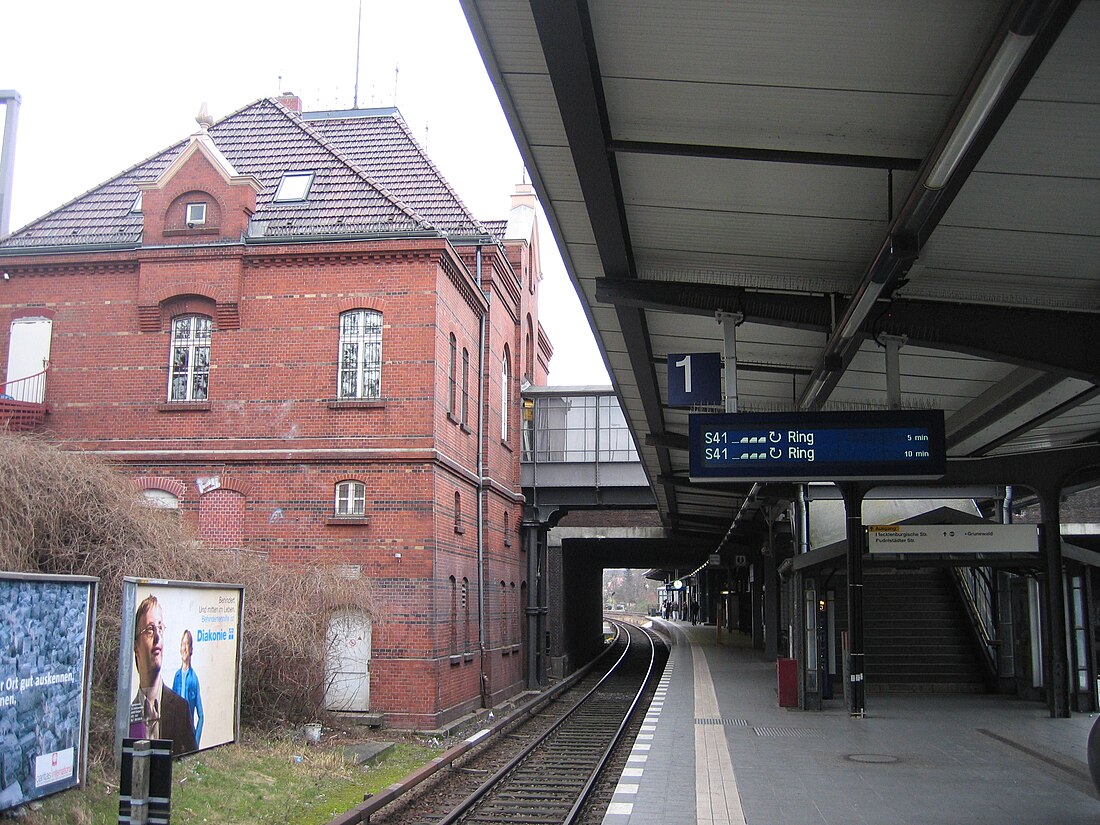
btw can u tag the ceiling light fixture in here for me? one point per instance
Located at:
(993, 82)
(861, 309)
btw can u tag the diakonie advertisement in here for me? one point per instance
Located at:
(46, 636)
(179, 663)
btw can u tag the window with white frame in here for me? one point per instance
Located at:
(189, 362)
(196, 214)
(351, 498)
(360, 354)
(294, 186)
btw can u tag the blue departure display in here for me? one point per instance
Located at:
(830, 445)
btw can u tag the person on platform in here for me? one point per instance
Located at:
(156, 712)
(186, 684)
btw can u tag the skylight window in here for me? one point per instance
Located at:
(196, 214)
(294, 186)
(136, 205)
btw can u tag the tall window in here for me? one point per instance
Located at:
(454, 616)
(189, 368)
(529, 351)
(458, 513)
(465, 386)
(505, 393)
(351, 498)
(361, 354)
(466, 613)
(452, 378)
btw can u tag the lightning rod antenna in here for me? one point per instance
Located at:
(358, 45)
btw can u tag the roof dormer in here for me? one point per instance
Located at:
(200, 197)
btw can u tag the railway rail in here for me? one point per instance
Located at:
(542, 763)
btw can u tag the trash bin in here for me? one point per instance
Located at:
(787, 676)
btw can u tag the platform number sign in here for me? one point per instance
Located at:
(695, 379)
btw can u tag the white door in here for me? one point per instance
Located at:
(28, 354)
(347, 666)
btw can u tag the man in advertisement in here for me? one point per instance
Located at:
(156, 711)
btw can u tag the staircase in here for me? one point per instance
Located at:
(20, 415)
(916, 635)
(21, 402)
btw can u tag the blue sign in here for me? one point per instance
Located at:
(695, 379)
(876, 445)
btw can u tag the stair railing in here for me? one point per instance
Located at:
(31, 389)
(977, 588)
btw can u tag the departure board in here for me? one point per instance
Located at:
(834, 446)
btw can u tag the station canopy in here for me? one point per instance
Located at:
(857, 186)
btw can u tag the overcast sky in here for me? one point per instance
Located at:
(105, 85)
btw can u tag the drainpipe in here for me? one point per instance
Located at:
(481, 396)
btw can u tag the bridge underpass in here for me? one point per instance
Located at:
(785, 559)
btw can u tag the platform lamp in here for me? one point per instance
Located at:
(999, 72)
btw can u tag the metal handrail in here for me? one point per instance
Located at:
(31, 389)
(976, 586)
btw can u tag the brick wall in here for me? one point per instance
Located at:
(258, 461)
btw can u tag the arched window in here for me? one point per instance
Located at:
(452, 377)
(360, 354)
(505, 392)
(189, 361)
(351, 498)
(454, 616)
(529, 351)
(513, 621)
(466, 613)
(458, 513)
(161, 499)
(465, 386)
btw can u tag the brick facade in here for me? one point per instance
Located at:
(255, 464)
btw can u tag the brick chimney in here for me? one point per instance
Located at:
(291, 101)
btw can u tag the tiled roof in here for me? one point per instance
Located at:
(370, 176)
(496, 228)
(380, 143)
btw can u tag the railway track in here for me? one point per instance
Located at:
(544, 762)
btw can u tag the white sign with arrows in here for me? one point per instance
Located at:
(953, 538)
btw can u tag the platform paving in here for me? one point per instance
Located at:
(717, 748)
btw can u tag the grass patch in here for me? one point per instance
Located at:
(258, 781)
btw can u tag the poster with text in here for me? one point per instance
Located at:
(46, 637)
(179, 663)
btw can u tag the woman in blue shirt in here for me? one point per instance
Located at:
(186, 684)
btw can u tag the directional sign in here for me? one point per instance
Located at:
(953, 538)
(872, 445)
(695, 379)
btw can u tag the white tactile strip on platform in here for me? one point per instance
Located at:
(622, 802)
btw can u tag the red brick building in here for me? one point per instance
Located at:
(290, 328)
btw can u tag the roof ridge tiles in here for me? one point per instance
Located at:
(427, 159)
(264, 138)
(323, 141)
(177, 146)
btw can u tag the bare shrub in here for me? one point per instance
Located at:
(73, 513)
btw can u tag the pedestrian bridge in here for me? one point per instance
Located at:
(578, 452)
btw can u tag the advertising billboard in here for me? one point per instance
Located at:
(179, 663)
(46, 637)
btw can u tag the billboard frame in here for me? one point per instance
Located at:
(130, 585)
(91, 584)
